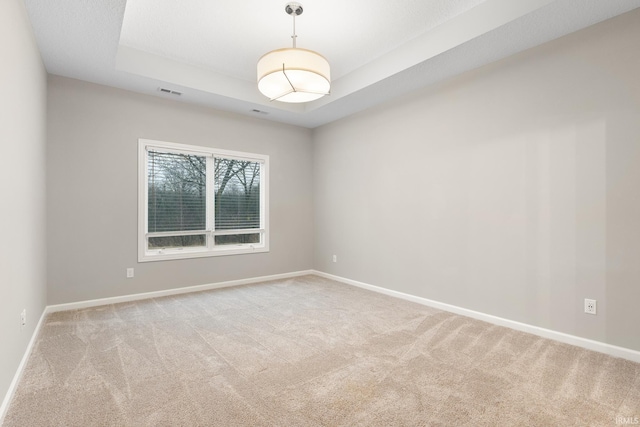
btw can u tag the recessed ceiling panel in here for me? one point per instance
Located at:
(228, 37)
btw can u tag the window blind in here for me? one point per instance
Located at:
(176, 192)
(237, 194)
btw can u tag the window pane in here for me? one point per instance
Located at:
(193, 196)
(237, 239)
(177, 241)
(237, 194)
(177, 192)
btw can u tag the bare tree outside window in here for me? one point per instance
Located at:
(177, 188)
(237, 199)
(177, 198)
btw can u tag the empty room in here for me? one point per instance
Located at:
(320, 213)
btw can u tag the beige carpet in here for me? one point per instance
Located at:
(309, 352)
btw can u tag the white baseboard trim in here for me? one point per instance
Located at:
(175, 291)
(23, 363)
(612, 350)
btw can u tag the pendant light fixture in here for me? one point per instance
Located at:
(293, 74)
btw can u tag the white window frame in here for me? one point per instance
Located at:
(210, 249)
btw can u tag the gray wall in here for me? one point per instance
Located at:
(513, 190)
(22, 186)
(92, 175)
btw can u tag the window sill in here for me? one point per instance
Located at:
(167, 255)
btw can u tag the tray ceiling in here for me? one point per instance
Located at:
(207, 50)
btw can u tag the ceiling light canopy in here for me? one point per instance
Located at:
(293, 74)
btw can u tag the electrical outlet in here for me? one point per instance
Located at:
(129, 273)
(335, 258)
(23, 318)
(590, 306)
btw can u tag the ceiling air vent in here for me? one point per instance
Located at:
(255, 110)
(169, 91)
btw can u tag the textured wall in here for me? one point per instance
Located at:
(92, 176)
(511, 190)
(22, 186)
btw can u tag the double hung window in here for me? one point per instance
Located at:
(198, 201)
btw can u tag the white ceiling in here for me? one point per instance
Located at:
(378, 49)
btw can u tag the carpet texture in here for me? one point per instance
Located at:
(309, 352)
